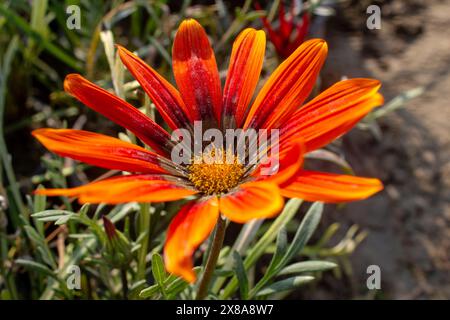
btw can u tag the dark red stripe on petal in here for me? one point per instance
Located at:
(288, 87)
(333, 112)
(100, 150)
(243, 74)
(196, 73)
(119, 111)
(165, 97)
(128, 188)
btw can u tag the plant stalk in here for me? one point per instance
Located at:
(216, 246)
(144, 227)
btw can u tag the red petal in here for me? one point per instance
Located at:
(333, 112)
(253, 200)
(166, 98)
(128, 188)
(243, 74)
(283, 165)
(195, 70)
(119, 111)
(100, 150)
(289, 85)
(190, 227)
(330, 187)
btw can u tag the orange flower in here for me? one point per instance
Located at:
(228, 189)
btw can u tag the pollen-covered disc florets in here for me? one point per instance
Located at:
(215, 171)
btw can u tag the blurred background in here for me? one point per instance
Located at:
(405, 229)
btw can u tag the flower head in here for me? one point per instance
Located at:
(221, 181)
(290, 33)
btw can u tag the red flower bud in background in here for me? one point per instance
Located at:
(117, 250)
(110, 229)
(290, 33)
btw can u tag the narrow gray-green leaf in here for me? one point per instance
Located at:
(304, 232)
(36, 266)
(308, 266)
(284, 285)
(159, 273)
(241, 275)
(51, 213)
(148, 292)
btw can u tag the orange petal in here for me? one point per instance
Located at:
(195, 70)
(128, 188)
(283, 165)
(243, 73)
(333, 112)
(253, 200)
(330, 187)
(166, 98)
(119, 111)
(190, 227)
(99, 150)
(288, 86)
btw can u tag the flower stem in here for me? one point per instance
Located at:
(123, 278)
(144, 228)
(216, 246)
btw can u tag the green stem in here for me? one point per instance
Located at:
(123, 278)
(144, 227)
(216, 246)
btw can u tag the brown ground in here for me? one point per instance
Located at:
(409, 223)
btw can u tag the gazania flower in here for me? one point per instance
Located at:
(289, 34)
(218, 188)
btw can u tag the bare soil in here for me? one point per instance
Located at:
(409, 222)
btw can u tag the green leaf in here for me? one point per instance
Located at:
(281, 221)
(54, 50)
(308, 266)
(223, 273)
(175, 288)
(284, 285)
(51, 215)
(150, 291)
(36, 266)
(241, 275)
(40, 201)
(41, 246)
(281, 246)
(64, 219)
(282, 255)
(304, 232)
(289, 211)
(174, 285)
(159, 273)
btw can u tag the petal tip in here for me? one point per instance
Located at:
(70, 80)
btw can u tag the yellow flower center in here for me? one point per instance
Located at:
(215, 171)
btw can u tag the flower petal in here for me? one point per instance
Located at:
(195, 70)
(288, 86)
(253, 200)
(282, 166)
(102, 151)
(333, 112)
(190, 227)
(330, 187)
(127, 188)
(166, 98)
(119, 111)
(243, 74)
